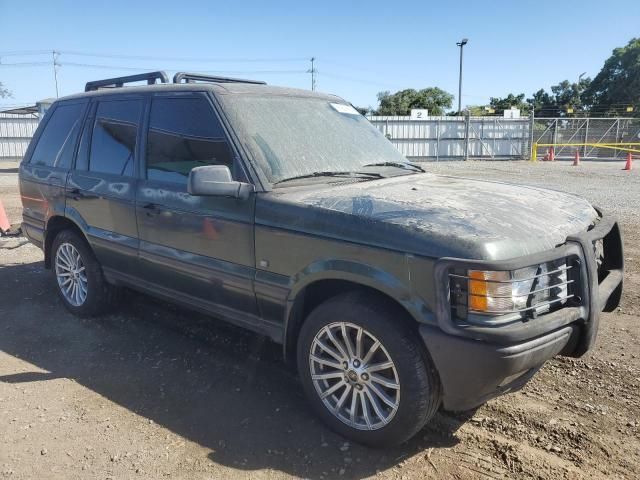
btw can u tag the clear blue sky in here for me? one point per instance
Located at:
(362, 47)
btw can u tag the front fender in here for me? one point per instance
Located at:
(395, 287)
(363, 274)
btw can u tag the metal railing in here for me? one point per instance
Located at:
(15, 134)
(488, 138)
(443, 138)
(592, 137)
(457, 138)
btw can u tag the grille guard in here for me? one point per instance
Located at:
(595, 295)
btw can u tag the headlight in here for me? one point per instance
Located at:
(533, 288)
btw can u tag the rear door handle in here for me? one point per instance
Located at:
(75, 194)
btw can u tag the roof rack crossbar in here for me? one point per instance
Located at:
(199, 77)
(117, 82)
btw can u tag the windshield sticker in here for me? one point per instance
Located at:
(342, 108)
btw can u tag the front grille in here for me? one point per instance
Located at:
(525, 292)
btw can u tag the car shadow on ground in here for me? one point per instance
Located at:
(220, 386)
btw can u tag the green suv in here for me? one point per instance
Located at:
(394, 291)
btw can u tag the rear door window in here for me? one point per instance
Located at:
(184, 132)
(57, 143)
(115, 132)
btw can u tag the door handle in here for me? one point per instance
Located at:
(151, 209)
(76, 194)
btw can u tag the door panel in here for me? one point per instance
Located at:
(101, 190)
(104, 206)
(199, 246)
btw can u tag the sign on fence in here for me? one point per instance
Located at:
(419, 114)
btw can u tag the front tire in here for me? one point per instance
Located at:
(364, 372)
(81, 284)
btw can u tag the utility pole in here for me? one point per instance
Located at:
(54, 57)
(461, 44)
(313, 72)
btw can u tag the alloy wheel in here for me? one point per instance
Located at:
(354, 376)
(71, 274)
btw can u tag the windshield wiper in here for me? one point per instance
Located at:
(404, 166)
(330, 174)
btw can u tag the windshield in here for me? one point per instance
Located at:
(299, 136)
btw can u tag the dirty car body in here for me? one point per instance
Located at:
(490, 278)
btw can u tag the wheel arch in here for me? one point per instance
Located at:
(325, 284)
(55, 225)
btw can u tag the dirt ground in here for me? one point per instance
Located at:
(159, 392)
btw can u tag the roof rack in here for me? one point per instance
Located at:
(199, 77)
(150, 77)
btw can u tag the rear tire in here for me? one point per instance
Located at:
(81, 284)
(397, 388)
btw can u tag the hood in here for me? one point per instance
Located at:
(440, 216)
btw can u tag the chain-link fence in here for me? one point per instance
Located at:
(559, 131)
(458, 138)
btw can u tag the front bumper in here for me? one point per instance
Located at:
(476, 363)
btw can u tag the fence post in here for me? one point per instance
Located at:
(615, 154)
(438, 140)
(586, 139)
(532, 151)
(467, 122)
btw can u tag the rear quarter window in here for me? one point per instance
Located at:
(57, 142)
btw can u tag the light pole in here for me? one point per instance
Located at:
(461, 44)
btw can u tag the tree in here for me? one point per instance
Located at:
(618, 83)
(363, 110)
(511, 100)
(563, 96)
(477, 110)
(4, 92)
(543, 104)
(434, 99)
(569, 95)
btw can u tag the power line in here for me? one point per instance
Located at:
(152, 57)
(228, 72)
(24, 53)
(25, 64)
(183, 59)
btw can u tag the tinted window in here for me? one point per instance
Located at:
(57, 142)
(184, 133)
(113, 143)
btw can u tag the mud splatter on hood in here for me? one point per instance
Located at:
(448, 216)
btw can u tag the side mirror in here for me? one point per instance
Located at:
(216, 181)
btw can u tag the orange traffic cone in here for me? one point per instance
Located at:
(552, 155)
(629, 164)
(4, 221)
(576, 160)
